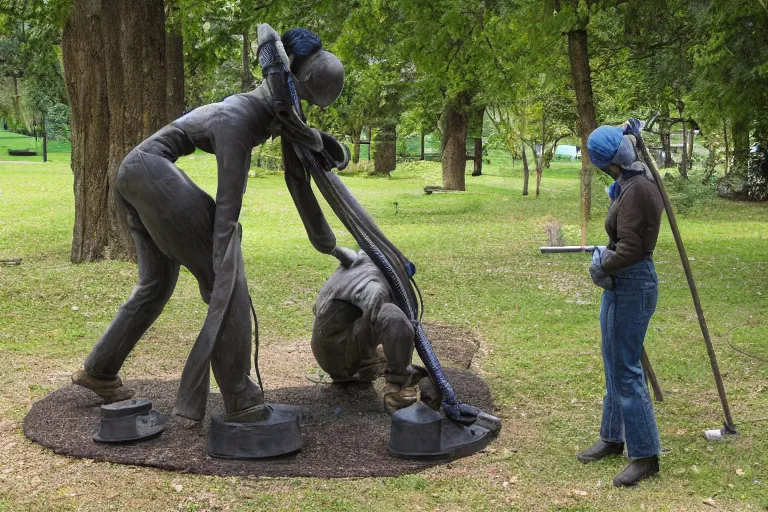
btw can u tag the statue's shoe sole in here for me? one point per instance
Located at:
(109, 390)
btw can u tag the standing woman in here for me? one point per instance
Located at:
(625, 270)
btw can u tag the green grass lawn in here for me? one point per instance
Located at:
(58, 151)
(479, 268)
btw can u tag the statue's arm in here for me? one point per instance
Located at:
(233, 155)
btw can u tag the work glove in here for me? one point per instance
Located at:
(633, 126)
(599, 277)
(272, 56)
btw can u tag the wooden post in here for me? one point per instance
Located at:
(691, 284)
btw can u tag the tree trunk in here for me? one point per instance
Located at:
(454, 121)
(421, 147)
(526, 172)
(582, 85)
(691, 139)
(174, 61)
(727, 148)
(356, 148)
(385, 150)
(45, 140)
(666, 146)
(684, 150)
(477, 134)
(740, 138)
(478, 157)
(247, 82)
(540, 161)
(114, 54)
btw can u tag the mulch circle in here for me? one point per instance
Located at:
(344, 429)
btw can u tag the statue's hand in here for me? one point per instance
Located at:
(345, 256)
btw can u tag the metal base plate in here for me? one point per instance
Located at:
(280, 434)
(419, 432)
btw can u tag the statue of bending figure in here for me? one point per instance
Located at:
(355, 317)
(173, 222)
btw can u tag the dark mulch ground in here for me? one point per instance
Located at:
(345, 432)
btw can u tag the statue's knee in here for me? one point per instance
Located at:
(392, 320)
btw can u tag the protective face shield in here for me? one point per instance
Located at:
(602, 145)
(319, 78)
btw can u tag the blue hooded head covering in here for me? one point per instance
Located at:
(602, 145)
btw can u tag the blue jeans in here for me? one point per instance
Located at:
(624, 316)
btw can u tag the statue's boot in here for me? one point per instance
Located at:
(398, 396)
(400, 391)
(636, 471)
(600, 450)
(110, 390)
(247, 406)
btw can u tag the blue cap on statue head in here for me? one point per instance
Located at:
(602, 145)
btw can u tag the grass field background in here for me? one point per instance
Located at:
(479, 268)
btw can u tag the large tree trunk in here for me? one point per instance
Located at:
(385, 150)
(526, 172)
(454, 121)
(114, 56)
(582, 85)
(174, 63)
(247, 81)
(740, 139)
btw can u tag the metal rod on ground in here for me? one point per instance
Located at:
(691, 284)
(650, 375)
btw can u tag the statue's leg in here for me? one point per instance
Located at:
(185, 232)
(335, 336)
(157, 279)
(395, 333)
(231, 361)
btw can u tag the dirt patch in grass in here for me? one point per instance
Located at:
(345, 431)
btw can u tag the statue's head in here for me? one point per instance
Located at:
(318, 74)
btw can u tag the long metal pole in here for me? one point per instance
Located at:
(691, 284)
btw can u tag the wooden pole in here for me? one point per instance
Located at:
(691, 284)
(650, 376)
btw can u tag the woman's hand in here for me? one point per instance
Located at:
(599, 277)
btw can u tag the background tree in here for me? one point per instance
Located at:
(115, 59)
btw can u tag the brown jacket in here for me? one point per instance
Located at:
(632, 223)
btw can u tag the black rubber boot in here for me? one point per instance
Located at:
(599, 450)
(636, 471)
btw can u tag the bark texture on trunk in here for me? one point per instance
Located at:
(582, 85)
(740, 140)
(114, 56)
(247, 81)
(356, 149)
(727, 147)
(666, 146)
(174, 63)
(478, 157)
(684, 150)
(454, 122)
(385, 149)
(526, 172)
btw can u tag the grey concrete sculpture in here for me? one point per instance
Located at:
(354, 315)
(173, 222)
